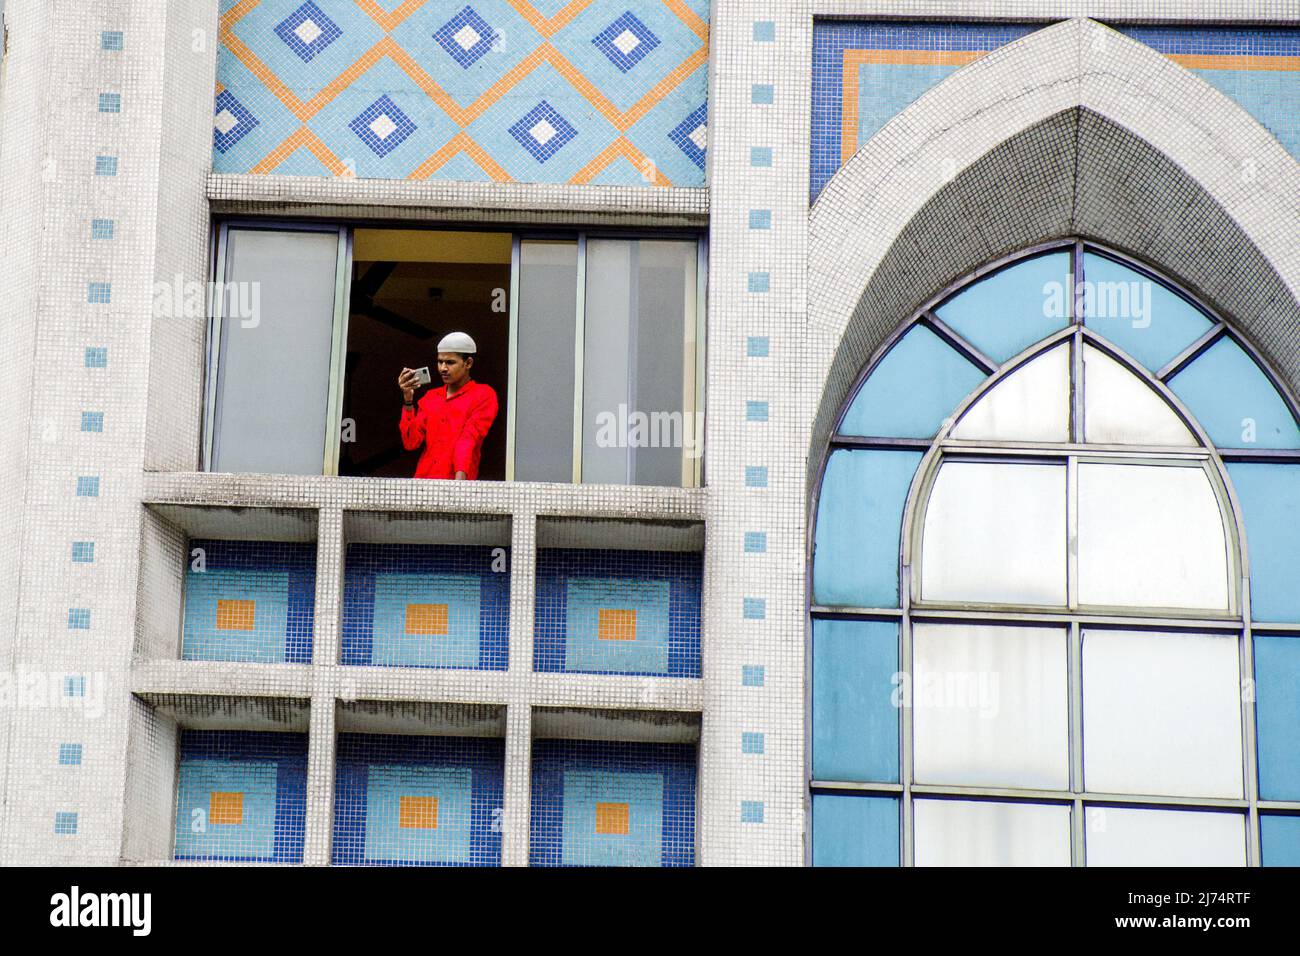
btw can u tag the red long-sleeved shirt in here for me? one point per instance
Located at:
(451, 429)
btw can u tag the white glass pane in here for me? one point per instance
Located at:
(548, 304)
(1150, 536)
(1030, 404)
(1120, 409)
(985, 833)
(1120, 836)
(989, 706)
(995, 532)
(274, 371)
(639, 361)
(1161, 714)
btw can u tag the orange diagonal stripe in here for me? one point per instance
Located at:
(664, 87)
(236, 13)
(620, 147)
(689, 17)
(389, 21)
(548, 27)
(461, 142)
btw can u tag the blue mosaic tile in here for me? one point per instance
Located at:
(88, 486)
(307, 31)
(65, 823)
(760, 219)
(83, 552)
(92, 421)
(543, 131)
(751, 742)
(755, 476)
(278, 580)
(105, 165)
(756, 411)
(110, 102)
(381, 579)
(101, 229)
(70, 755)
(97, 357)
(754, 609)
(74, 686)
(662, 590)
(760, 156)
(652, 784)
(751, 811)
(466, 37)
(756, 346)
(626, 41)
(382, 126)
(691, 135)
(751, 675)
(764, 31)
(269, 773)
(231, 121)
(760, 282)
(99, 293)
(79, 619)
(755, 542)
(762, 94)
(111, 40)
(464, 775)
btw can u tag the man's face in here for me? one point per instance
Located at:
(452, 368)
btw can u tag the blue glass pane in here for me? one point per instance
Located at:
(1010, 310)
(855, 722)
(1277, 704)
(1270, 501)
(1279, 839)
(859, 514)
(1144, 318)
(913, 389)
(1234, 401)
(854, 831)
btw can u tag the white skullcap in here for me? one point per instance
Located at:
(457, 342)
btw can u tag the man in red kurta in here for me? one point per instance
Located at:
(451, 422)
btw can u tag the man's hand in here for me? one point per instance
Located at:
(408, 382)
(461, 476)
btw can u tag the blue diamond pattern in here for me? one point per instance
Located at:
(629, 24)
(544, 147)
(245, 121)
(383, 145)
(681, 134)
(447, 33)
(308, 12)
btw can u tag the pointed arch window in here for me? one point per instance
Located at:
(1049, 623)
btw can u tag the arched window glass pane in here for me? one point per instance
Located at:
(986, 833)
(1150, 536)
(1270, 503)
(860, 511)
(1004, 314)
(1030, 404)
(1120, 409)
(925, 368)
(854, 831)
(1162, 713)
(1123, 836)
(855, 722)
(1280, 840)
(1144, 318)
(1234, 401)
(995, 532)
(990, 706)
(1277, 714)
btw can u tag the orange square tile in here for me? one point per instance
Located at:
(612, 817)
(426, 619)
(226, 808)
(616, 625)
(235, 615)
(418, 813)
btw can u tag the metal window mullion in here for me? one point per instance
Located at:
(338, 351)
(1075, 685)
(579, 345)
(1250, 764)
(512, 360)
(217, 308)
(633, 353)
(701, 334)
(1072, 533)
(907, 848)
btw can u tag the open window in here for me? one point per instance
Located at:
(593, 345)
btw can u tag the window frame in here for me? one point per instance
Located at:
(694, 365)
(1209, 457)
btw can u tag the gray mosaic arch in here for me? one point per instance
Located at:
(1073, 130)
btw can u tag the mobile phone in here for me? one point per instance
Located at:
(423, 373)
